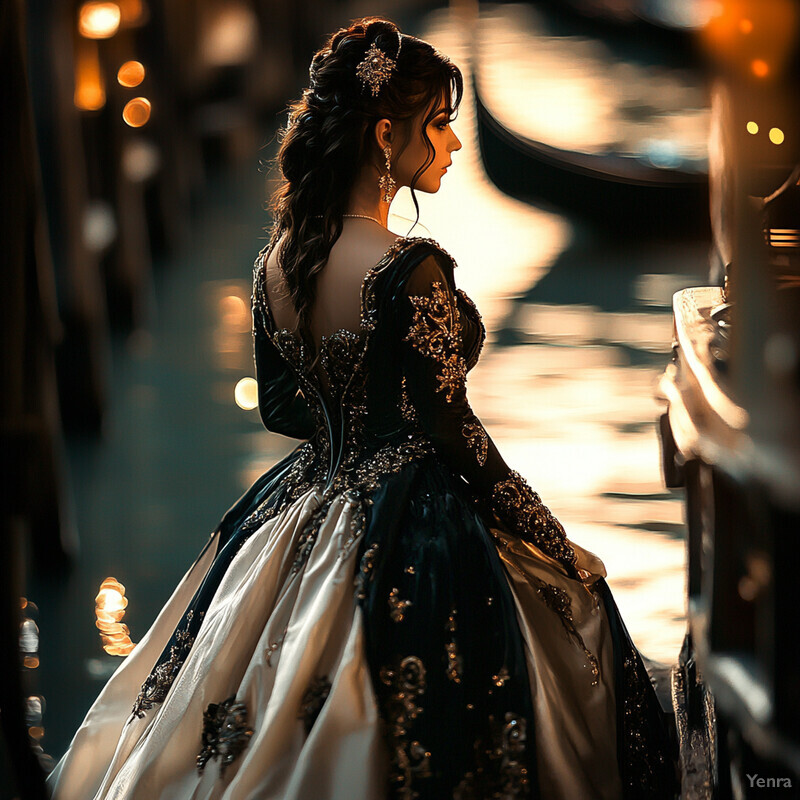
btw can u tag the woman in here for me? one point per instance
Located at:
(390, 611)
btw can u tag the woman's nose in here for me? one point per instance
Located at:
(455, 144)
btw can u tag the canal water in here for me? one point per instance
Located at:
(579, 329)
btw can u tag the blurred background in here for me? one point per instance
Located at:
(625, 214)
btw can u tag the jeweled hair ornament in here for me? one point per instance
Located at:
(377, 67)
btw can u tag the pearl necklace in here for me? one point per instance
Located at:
(364, 216)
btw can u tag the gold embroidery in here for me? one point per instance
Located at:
(410, 759)
(398, 607)
(390, 459)
(452, 375)
(158, 683)
(225, 733)
(454, 666)
(519, 506)
(365, 571)
(407, 410)
(559, 602)
(434, 333)
(477, 440)
(502, 773)
(500, 679)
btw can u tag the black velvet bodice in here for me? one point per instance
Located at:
(375, 390)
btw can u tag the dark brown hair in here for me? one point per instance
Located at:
(329, 135)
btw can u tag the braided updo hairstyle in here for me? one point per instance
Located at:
(330, 134)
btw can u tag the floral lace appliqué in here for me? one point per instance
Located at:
(225, 734)
(410, 759)
(434, 333)
(397, 606)
(158, 683)
(518, 505)
(477, 440)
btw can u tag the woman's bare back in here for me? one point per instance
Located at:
(338, 291)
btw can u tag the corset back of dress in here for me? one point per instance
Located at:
(353, 380)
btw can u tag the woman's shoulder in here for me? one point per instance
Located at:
(410, 260)
(420, 247)
(412, 254)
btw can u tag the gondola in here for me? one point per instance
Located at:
(618, 194)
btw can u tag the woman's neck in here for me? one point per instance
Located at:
(365, 197)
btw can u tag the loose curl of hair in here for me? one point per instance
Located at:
(330, 134)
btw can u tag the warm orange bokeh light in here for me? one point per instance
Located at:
(90, 90)
(31, 662)
(235, 312)
(130, 74)
(745, 31)
(752, 127)
(110, 605)
(132, 12)
(137, 112)
(98, 20)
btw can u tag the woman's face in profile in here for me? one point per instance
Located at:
(416, 153)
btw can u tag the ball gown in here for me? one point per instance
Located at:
(389, 611)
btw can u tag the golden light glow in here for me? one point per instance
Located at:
(110, 605)
(130, 74)
(235, 312)
(31, 662)
(36, 732)
(137, 112)
(752, 127)
(90, 89)
(749, 30)
(132, 12)
(246, 394)
(98, 20)
(776, 136)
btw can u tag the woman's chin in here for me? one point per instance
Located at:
(430, 186)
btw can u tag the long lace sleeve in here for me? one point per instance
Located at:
(281, 404)
(435, 377)
(282, 407)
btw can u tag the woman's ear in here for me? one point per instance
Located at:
(383, 133)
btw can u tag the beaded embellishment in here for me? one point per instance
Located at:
(477, 439)
(515, 502)
(434, 332)
(225, 734)
(376, 68)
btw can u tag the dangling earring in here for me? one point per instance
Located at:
(387, 182)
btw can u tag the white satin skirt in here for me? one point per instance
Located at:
(270, 632)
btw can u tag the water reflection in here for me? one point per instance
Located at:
(579, 332)
(573, 93)
(229, 305)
